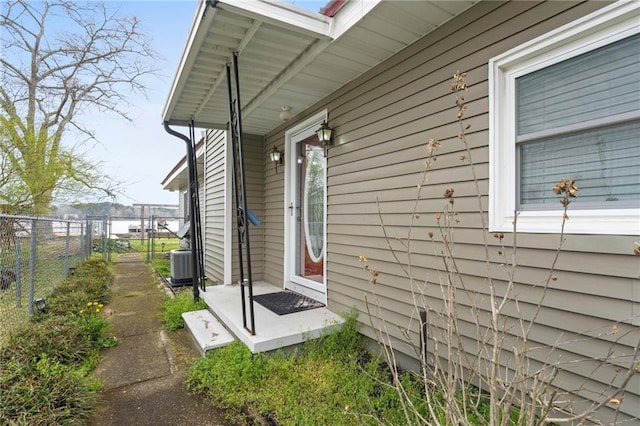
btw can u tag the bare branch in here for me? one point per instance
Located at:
(53, 74)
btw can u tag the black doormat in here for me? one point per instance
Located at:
(286, 302)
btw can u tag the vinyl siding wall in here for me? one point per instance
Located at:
(274, 217)
(254, 179)
(216, 176)
(183, 201)
(382, 122)
(214, 202)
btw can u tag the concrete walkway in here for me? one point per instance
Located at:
(144, 374)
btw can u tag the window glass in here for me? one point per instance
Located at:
(605, 163)
(598, 84)
(581, 117)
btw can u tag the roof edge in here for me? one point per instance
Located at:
(182, 164)
(274, 12)
(195, 37)
(281, 14)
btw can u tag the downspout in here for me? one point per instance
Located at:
(191, 170)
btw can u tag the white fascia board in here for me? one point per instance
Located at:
(281, 14)
(197, 32)
(183, 167)
(350, 14)
(200, 124)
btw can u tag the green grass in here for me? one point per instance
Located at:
(162, 266)
(174, 307)
(331, 380)
(169, 244)
(46, 364)
(162, 246)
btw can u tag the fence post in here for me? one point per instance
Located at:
(18, 273)
(66, 250)
(108, 223)
(83, 241)
(104, 239)
(142, 224)
(87, 239)
(149, 248)
(90, 232)
(32, 265)
(153, 237)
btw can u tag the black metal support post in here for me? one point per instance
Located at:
(240, 192)
(195, 204)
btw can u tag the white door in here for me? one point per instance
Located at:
(306, 212)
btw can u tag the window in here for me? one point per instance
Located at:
(567, 105)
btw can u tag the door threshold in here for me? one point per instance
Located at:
(306, 291)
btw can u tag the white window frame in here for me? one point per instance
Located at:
(610, 24)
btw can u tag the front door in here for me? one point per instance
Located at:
(306, 215)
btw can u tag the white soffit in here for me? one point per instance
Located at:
(287, 55)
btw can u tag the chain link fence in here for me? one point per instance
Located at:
(162, 237)
(155, 235)
(36, 255)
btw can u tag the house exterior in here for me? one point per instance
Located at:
(177, 180)
(542, 104)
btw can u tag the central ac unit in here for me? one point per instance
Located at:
(181, 267)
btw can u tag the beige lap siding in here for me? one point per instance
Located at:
(382, 121)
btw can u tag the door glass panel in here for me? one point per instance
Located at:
(311, 218)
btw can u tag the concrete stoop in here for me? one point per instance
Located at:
(207, 332)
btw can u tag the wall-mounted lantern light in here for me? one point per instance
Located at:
(325, 133)
(325, 136)
(276, 157)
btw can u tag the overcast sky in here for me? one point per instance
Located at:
(142, 153)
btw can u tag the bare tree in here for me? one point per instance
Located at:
(61, 59)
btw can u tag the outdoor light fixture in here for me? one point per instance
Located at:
(325, 133)
(325, 136)
(41, 304)
(276, 157)
(285, 113)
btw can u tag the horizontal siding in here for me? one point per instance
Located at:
(254, 179)
(214, 203)
(274, 209)
(382, 122)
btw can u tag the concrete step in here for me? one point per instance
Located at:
(206, 330)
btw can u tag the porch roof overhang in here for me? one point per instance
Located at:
(288, 56)
(178, 177)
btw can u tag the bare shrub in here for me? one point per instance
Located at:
(481, 356)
